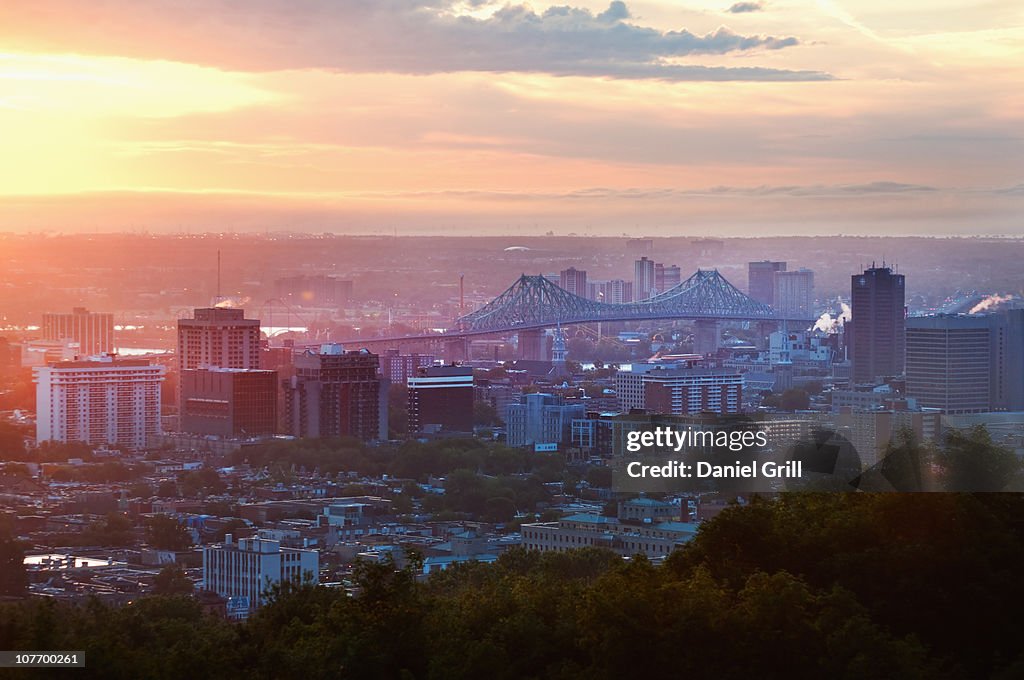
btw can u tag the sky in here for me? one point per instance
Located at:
(476, 117)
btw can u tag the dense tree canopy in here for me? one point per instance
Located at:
(804, 586)
(166, 533)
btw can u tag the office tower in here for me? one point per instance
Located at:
(793, 293)
(218, 336)
(314, 290)
(615, 291)
(643, 279)
(93, 331)
(952, 362)
(574, 280)
(229, 402)
(242, 570)
(101, 400)
(877, 325)
(544, 419)
(335, 393)
(667, 277)
(1009, 370)
(441, 399)
(761, 280)
(398, 368)
(679, 391)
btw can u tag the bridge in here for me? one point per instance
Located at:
(534, 303)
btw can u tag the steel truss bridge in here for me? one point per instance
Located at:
(534, 302)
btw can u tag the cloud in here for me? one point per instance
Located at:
(837, 191)
(745, 7)
(396, 36)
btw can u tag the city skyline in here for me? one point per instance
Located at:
(480, 117)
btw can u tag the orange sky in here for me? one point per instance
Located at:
(474, 117)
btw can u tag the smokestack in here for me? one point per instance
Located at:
(218, 277)
(462, 294)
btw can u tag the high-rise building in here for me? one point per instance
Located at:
(93, 331)
(1008, 373)
(877, 332)
(217, 336)
(615, 291)
(229, 402)
(541, 419)
(793, 293)
(574, 280)
(761, 280)
(667, 277)
(101, 400)
(644, 285)
(441, 398)
(952, 362)
(398, 368)
(242, 570)
(335, 393)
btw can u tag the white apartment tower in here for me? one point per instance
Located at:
(102, 400)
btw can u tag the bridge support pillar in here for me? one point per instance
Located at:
(456, 350)
(707, 337)
(764, 330)
(531, 345)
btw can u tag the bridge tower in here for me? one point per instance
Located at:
(531, 345)
(707, 337)
(764, 331)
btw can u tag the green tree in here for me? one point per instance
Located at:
(230, 527)
(971, 461)
(12, 442)
(499, 509)
(485, 415)
(172, 581)
(13, 575)
(166, 533)
(794, 399)
(202, 481)
(113, 530)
